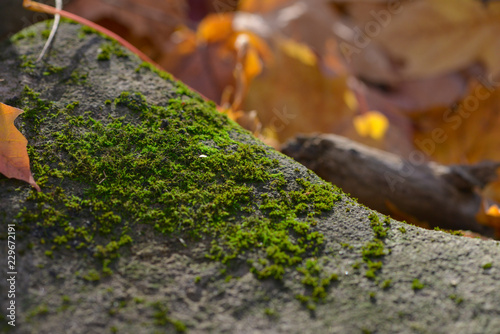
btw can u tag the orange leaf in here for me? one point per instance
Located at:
(14, 160)
(252, 65)
(261, 6)
(215, 28)
(371, 124)
(493, 211)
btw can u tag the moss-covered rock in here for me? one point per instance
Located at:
(158, 214)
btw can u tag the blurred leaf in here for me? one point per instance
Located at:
(371, 124)
(464, 133)
(206, 59)
(259, 6)
(215, 28)
(434, 37)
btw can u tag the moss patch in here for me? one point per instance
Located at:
(173, 169)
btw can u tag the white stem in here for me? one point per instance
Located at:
(57, 18)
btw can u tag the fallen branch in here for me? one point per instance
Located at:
(444, 196)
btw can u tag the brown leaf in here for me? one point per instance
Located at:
(14, 160)
(464, 133)
(206, 59)
(435, 37)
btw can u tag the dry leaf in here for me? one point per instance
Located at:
(258, 6)
(418, 50)
(464, 133)
(490, 217)
(292, 96)
(14, 160)
(431, 37)
(371, 124)
(489, 212)
(206, 59)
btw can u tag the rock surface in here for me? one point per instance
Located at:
(93, 257)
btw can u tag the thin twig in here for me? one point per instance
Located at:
(57, 18)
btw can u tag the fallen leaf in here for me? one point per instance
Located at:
(436, 37)
(14, 160)
(257, 6)
(206, 59)
(490, 217)
(493, 211)
(292, 96)
(463, 133)
(371, 124)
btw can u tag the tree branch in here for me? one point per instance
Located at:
(444, 196)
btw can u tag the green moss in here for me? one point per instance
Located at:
(51, 69)
(162, 319)
(175, 170)
(386, 284)
(311, 307)
(458, 300)
(65, 303)
(110, 48)
(402, 229)
(452, 232)
(373, 249)
(17, 37)
(376, 248)
(105, 269)
(377, 226)
(487, 265)
(45, 33)
(417, 285)
(40, 310)
(85, 31)
(181, 89)
(302, 298)
(346, 245)
(27, 64)
(77, 78)
(316, 280)
(92, 276)
(149, 67)
(270, 312)
(374, 265)
(370, 274)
